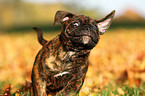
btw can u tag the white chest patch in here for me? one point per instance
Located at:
(61, 74)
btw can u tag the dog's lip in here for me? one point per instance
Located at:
(85, 39)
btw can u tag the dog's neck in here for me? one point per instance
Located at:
(66, 43)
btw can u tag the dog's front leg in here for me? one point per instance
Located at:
(39, 89)
(39, 85)
(73, 87)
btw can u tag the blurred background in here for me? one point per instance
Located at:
(118, 58)
(18, 15)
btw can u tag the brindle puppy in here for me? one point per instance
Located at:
(61, 65)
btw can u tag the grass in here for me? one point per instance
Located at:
(110, 90)
(119, 56)
(115, 90)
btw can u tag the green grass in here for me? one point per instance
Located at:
(112, 90)
(124, 90)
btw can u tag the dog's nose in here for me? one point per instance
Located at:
(88, 32)
(88, 29)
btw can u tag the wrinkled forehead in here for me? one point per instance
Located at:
(82, 19)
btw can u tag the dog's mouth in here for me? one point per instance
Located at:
(83, 42)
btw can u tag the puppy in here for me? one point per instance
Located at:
(61, 65)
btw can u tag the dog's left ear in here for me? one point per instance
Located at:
(104, 23)
(62, 16)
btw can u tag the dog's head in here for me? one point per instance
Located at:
(80, 32)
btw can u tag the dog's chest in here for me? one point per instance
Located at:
(60, 62)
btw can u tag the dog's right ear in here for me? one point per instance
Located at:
(62, 16)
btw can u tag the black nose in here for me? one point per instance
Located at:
(87, 29)
(82, 32)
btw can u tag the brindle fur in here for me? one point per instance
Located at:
(60, 66)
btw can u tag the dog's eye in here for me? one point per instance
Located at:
(76, 24)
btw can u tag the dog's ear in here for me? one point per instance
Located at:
(62, 16)
(104, 23)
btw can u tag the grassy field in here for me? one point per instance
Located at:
(117, 63)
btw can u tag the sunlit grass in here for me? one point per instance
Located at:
(114, 90)
(117, 51)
